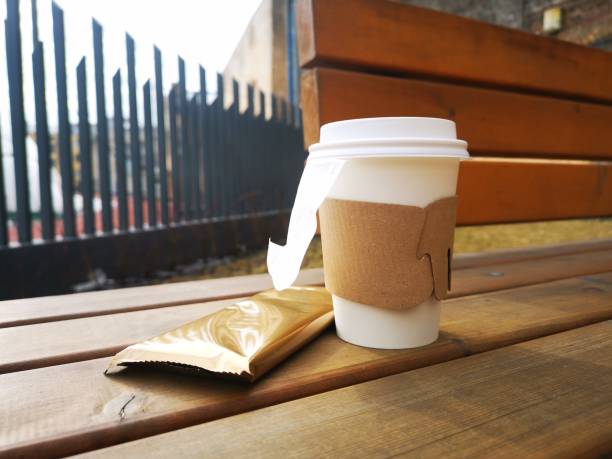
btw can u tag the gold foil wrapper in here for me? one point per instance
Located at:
(245, 339)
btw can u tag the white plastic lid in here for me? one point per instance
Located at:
(390, 136)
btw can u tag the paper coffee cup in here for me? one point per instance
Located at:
(400, 161)
(406, 181)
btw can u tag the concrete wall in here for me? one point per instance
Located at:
(260, 59)
(280, 74)
(251, 61)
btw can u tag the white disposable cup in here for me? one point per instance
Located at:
(378, 170)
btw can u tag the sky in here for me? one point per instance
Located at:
(202, 31)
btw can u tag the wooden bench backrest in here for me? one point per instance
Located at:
(536, 112)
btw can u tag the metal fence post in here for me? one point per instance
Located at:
(149, 156)
(185, 141)
(64, 131)
(161, 137)
(134, 134)
(18, 127)
(85, 151)
(47, 216)
(102, 134)
(4, 237)
(176, 189)
(122, 198)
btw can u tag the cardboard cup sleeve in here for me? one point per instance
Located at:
(387, 255)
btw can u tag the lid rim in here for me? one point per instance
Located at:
(378, 148)
(421, 154)
(404, 141)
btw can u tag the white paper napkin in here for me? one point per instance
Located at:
(284, 262)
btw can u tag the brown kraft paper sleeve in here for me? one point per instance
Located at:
(387, 255)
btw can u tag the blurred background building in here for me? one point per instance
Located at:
(266, 56)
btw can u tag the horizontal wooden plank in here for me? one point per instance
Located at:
(546, 398)
(494, 123)
(62, 307)
(65, 341)
(496, 257)
(376, 35)
(78, 305)
(489, 278)
(38, 345)
(66, 409)
(501, 191)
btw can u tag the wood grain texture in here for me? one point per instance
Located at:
(546, 398)
(66, 409)
(489, 278)
(500, 191)
(385, 36)
(491, 121)
(63, 307)
(78, 305)
(495, 257)
(66, 341)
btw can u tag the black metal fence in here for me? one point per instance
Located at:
(191, 180)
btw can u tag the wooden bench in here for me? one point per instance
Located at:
(523, 365)
(527, 400)
(536, 112)
(55, 399)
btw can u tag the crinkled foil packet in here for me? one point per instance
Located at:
(243, 340)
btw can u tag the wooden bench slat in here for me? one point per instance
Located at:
(38, 345)
(380, 36)
(550, 397)
(501, 191)
(78, 305)
(496, 257)
(65, 341)
(528, 272)
(493, 122)
(62, 307)
(84, 414)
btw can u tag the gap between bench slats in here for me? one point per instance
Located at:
(71, 408)
(550, 397)
(77, 305)
(54, 343)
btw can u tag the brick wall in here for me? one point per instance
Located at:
(586, 22)
(503, 12)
